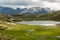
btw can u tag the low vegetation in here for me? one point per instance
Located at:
(13, 31)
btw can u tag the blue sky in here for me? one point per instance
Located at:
(53, 4)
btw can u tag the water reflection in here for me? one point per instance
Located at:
(42, 23)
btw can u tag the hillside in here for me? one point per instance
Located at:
(49, 16)
(28, 17)
(8, 18)
(52, 16)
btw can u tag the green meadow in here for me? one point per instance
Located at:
(13, 31)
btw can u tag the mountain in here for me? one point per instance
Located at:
(55, 16)
(8, 10)
(36, 10)
(16, 17)
(33, 10)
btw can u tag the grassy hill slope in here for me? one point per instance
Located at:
(50, 16)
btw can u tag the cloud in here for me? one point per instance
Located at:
(53, 0)
(21, 2)
(53, 4)
(26, 2)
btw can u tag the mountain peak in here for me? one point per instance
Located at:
(32, 10)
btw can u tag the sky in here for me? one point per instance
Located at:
(53, 4)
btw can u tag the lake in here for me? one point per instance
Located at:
(40, 23)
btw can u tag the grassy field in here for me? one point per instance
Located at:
(12, 31)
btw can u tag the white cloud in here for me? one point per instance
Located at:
(53, 0)
(35, 0)
(53, 4)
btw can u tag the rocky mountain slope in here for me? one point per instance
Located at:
(33, 10)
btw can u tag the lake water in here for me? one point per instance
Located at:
(42, 23)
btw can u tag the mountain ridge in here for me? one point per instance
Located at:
(33, 10)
